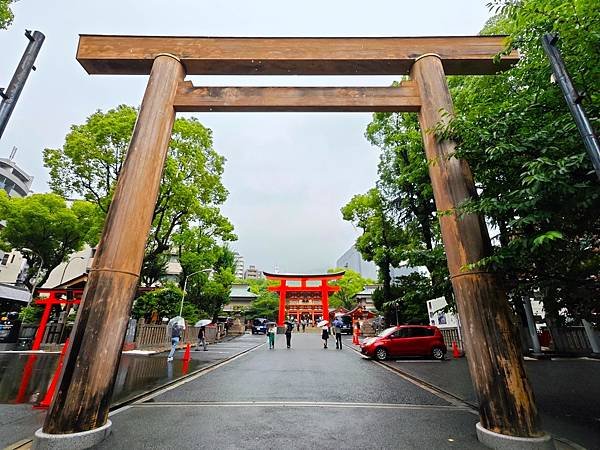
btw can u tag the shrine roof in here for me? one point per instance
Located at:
(298, 276)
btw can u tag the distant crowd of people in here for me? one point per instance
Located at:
(327, 330)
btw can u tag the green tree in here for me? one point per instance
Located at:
(536, 183)
(350, 285)
(45, 224)
(404, 183)
(191, 191)
(379, 240)
(6, 15)
(164, 302)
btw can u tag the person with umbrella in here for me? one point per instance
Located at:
(202, 333)
(177, 324)
(325, 332)
(337, 330)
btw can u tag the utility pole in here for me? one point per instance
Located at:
(12, 93)
(573, 99)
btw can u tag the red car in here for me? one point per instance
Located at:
(406, 340)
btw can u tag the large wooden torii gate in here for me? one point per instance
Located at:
(495, 361)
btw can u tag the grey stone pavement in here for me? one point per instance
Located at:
(303, 397)
(567, 391)
(309, 397)
(138, 374)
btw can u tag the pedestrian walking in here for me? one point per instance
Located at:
(298, 326)
(337, 330)
(303, 325)
(271, 335)
(201, 338)
(175, 336)
(325, 336)
(289, 326)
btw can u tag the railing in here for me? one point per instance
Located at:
(452, 335)
(156, 337)
(571, 340)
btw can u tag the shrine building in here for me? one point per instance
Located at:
(303, 296)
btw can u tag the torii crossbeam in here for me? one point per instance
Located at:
(495, 361)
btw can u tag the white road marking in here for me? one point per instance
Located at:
(299, 404)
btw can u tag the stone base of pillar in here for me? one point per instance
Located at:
(499, 441)
(71, 441)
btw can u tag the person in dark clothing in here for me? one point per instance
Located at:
(325, 336)
(201, 338)
(337, 329)
(289, 326)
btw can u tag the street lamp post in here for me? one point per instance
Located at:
(37, 275)
(67, 265)
(185, 285)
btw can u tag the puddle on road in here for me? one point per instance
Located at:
(24, 378)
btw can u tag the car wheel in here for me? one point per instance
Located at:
(437, 353)
(381, 354)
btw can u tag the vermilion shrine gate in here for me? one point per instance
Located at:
(495, 361)
(303, 295)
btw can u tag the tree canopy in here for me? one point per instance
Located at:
(350, 285)
(6, 15)
(191, 191)
(536, 187)
(45, 224)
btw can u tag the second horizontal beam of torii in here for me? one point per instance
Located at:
(403, 98)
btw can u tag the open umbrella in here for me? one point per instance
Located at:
(176, 320)
(323, 323)
(340, 314)
(203, 323)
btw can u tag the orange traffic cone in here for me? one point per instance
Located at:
(455, 351)
(186, 355)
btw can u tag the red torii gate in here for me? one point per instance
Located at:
(284, 288)
(54, 298)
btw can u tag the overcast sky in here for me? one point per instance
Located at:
(288, 174)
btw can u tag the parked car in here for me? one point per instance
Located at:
(347, 326)
(259, 326)
(405, 340)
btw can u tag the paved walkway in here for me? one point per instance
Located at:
(305, 397)
(567, 391)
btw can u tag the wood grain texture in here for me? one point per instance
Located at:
(133, 55)
(85, 387)
(506, 403)
(404, 98)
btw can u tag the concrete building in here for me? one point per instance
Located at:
(239, 265)
(252, 273)
(353, 260)
(14, 180)
(17, 183)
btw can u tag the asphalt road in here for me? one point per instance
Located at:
(303, 397)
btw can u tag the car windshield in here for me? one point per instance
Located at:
(386, 332)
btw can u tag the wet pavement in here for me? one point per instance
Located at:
(24, 379)
(303, 397)
(567, 391)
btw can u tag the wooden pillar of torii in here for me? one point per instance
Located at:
(82, 401)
